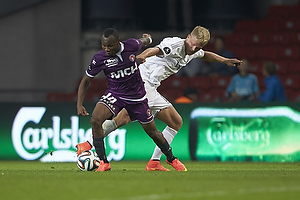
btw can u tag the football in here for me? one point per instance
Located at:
(88, 161)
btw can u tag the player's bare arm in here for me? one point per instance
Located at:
(213, 57)
(82, 90)
(148, 53)
(146, 39)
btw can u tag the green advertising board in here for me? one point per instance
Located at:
(225, 132)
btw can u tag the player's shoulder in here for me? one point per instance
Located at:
(252, 76)
(236, 76)
(100, 55)
(172, 40)
(132, 43)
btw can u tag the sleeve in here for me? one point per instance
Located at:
(268, 95)
(94, 68)
(231, 85)
(166, 47)
(199, 54)
(255, 84)
(136, 44)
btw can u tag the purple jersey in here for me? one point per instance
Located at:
(121, 70)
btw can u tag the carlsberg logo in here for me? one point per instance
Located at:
(31, 143)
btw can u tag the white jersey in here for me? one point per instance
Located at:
(158, 68)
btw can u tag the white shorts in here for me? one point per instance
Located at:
(156, 101)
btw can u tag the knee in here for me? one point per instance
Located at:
(95, 122)
(177, 123)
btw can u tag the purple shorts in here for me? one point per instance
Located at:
(137, 110)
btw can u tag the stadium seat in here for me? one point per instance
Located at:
(215, 95)
(295, 37)
(248, 52)
(278, 10)
(235, 39)
(291, 24)
(261, 83)
(257, 38)
(171, 94)
(291, 81)
(220, 82)
(255, 66)
(269, 24)
(200, 82)
(294, 66)
(289, 52)
(278, 38)
(246, 26)
(281, 67)
(293, 95)
(295, 10)
(267, 52)
(174, 82)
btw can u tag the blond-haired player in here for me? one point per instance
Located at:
(158, 63)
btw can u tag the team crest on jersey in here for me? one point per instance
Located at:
(167, 50)
(132, 57)
(111, 62)
(148, 112)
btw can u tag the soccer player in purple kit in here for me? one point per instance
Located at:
(125, 90)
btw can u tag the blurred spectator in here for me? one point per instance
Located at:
(274, 88)
(243, 86)
(190, 96)
(220, 69)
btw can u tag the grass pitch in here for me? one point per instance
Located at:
(129, 181)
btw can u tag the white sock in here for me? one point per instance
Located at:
(169, 134)
(91, 141)
(108, 127)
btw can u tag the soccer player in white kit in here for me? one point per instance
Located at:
(158, 63)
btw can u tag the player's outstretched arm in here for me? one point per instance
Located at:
(82, 89)
(148, 53)
(213, 57)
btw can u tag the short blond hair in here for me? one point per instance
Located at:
(202, 34)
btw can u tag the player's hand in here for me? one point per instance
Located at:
(233, 62)
(81, 111)
(146, 35)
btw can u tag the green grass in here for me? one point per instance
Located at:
(129, 181)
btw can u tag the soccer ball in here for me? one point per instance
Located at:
(88, 161)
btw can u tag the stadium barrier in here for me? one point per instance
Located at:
(211, 132)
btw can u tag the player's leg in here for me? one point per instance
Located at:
(174, 122)
(99, 115)
(162, 109)
(141, 112)
(108, 126)
(161, 142)
(120, 120)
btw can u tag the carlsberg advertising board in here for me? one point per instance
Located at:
(49, 132)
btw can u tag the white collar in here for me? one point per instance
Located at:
(121, 50)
